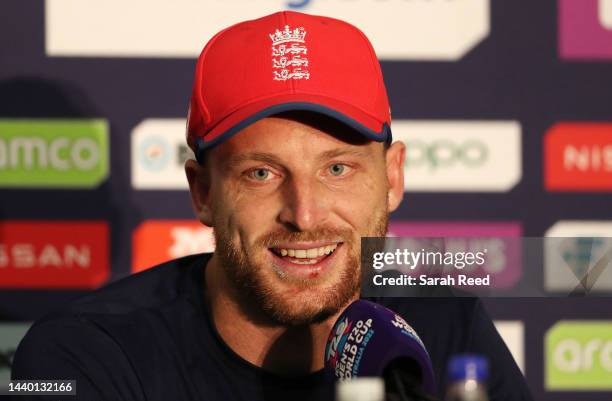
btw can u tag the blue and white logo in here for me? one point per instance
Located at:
(159, 152)
(154, 153)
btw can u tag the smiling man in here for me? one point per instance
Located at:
(294, 167)
(288, 217)
(289, 198)
(290, 123)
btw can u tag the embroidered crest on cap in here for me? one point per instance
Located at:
(289, 54)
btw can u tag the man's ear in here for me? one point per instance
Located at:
(395, 157)
(199, 186)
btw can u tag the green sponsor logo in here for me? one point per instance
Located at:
(445, 154)
(579, 356)
(53, 153)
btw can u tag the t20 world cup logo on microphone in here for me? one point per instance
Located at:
(346, 345)
(336, 341)
(368, 338)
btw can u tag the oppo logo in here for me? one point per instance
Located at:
(460, 155)
(62, 154)
(571, 356)
(445, 154)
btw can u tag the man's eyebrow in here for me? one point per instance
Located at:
(273, 159)
(253, 156)
(330, 154)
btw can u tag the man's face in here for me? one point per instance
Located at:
(289, 199)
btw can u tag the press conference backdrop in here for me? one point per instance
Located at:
(505, 107)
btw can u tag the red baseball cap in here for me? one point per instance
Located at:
(284, 62)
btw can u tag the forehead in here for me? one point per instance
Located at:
(296, 133)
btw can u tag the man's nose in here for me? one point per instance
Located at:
(305, 204)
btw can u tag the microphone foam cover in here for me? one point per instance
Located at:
(367, 338)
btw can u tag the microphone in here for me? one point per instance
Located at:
(370, 340)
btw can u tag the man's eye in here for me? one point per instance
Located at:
(337, 169)
(260, 174)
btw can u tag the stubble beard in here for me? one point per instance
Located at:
(257, 283)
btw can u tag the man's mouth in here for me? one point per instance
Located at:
(305, 256)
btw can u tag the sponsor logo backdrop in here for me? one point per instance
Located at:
(504, 106)
(447, 30)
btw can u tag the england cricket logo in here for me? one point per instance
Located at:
(289, 54)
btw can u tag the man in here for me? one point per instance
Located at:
(289, 120)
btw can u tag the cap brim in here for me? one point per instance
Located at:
(358, 120)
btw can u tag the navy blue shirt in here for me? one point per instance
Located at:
(150, 337)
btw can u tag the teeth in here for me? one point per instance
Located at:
(308, 253)
(305, 262)
(312, 253)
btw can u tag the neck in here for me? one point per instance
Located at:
(284, 350)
